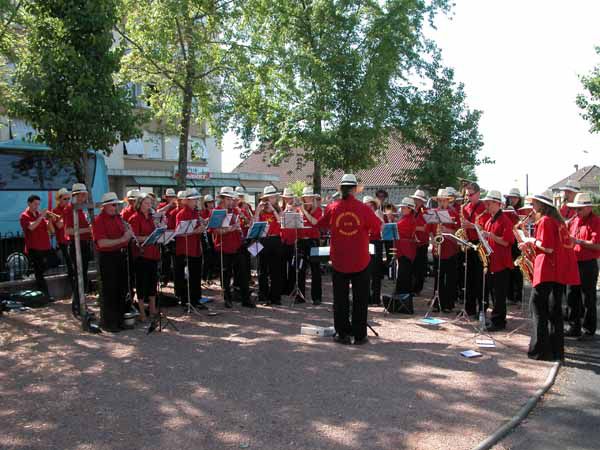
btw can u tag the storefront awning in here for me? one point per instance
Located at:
(155, 181)
(213, 182)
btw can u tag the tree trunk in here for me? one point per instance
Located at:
(186, 114)
(317, 176)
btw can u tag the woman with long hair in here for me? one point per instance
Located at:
(146, 263)
(550, 275)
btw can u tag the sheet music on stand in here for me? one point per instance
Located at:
(434, 217)
(390, 232)
(217, 219)
(258, 230)
(292, 220)
(154, 236)
(483, 240)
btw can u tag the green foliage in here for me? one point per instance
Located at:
(329, 77)
(64, 79)
(446, 132)
(181, 52)
(590, 101)
(297, 187)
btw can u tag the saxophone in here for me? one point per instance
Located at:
(524, 261)
(483, 248)
(461, 233)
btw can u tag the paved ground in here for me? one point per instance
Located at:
(248, 379)
(569, 415)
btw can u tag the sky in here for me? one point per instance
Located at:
(520, 61)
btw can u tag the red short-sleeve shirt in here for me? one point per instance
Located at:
(108, 227)
(351, 223)
(189, 245)
(311, 231)
(144, 226)
(568, 270)
(545, 267)
(422, 236)
(232, 242)
(501, 256)
(407, 246)
(586, 229)
(82, 219)
(127, 212)
(38, 238)
(475, 213)
(274, 225)
(61, 237)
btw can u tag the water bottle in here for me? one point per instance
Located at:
(482, 319)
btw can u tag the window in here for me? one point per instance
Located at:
(21, 171)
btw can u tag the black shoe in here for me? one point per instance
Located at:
(276, 302)
(248, 305)
(317, 302)
(228, 304)
(362, 341)
(344, 340)
(573, 332)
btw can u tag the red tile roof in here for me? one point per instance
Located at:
(395, 161)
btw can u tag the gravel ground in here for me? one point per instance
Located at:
(248, 379)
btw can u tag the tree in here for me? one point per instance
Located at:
(64, 82)
(328, 77)
(445, 132)
(11, 32)
(180, 50)
(590, 101)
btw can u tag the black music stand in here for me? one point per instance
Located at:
(294, 221)
(160, 237)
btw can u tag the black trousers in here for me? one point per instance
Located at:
(547, 338)
(64, 251)
(304, 247)
(270, 276)
(288, 274)
(86, 255)
(146, 278)
(582, 299)
(167, 255)
(38, 261)
(376, 273)
(474, 282)
(341, 303)
(460, 274)
(447, 287)
(404, 276)
(419, 272)
(192, 286)
(515, 289)
(234, 266)
(113, 270)
(499, 284)
(211, 265)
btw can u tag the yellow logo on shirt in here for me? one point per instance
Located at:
(347, 223)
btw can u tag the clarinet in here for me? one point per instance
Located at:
(133, 236)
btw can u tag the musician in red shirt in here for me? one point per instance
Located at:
(36, 228)
(447, 254)
(188, 252)
(514, 202)
(569, 191)
(474, 212)
(271, 257)
(376, 267)
(547, 338)
(111, 239)
(288, 240)
(146, 263)
(309, 238)
(585, 229)
(79, 196)
(228, 241)
(420, 263)
(406, 246)
(499, 233)
(351, 224)
(246, 215)
(129, 210)
(63, 197)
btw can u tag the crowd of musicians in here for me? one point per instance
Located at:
(482, 250)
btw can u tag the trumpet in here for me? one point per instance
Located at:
(52, 215)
